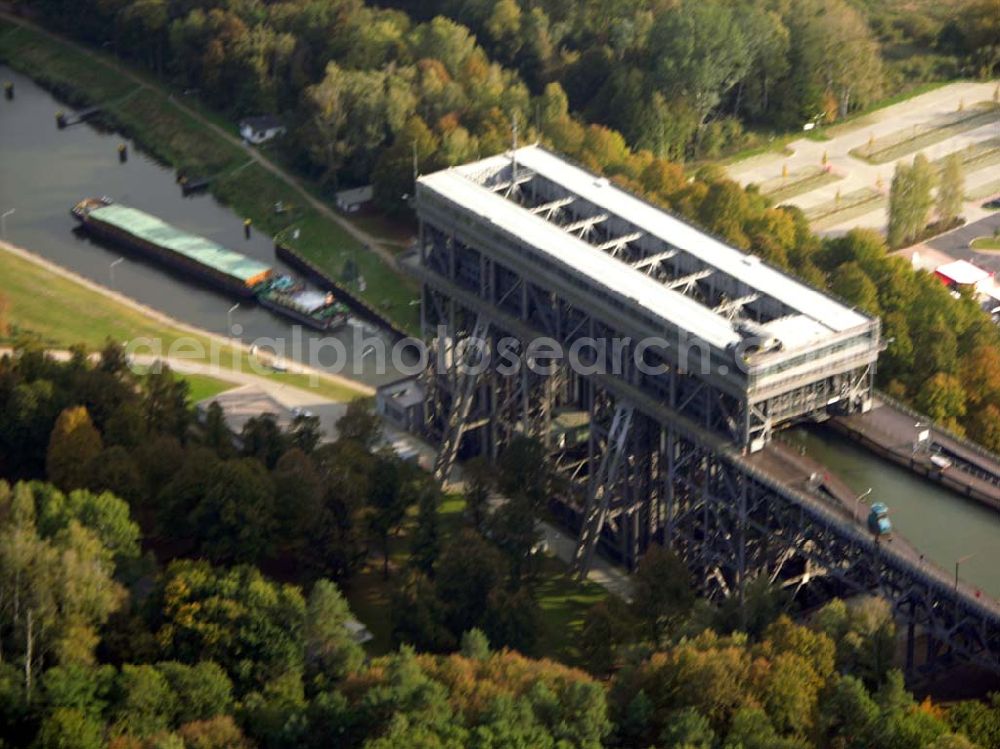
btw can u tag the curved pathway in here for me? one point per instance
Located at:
(957, 242)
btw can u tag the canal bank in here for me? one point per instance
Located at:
(105, 313)
(943, 525)
(908, 439)
(46, 171)
(177, 132)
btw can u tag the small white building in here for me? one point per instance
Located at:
(261, 129)
(351, 201)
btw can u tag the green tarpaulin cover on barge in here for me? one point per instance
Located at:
(197, 248)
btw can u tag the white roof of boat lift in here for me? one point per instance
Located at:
(463, 186)
(598, 268)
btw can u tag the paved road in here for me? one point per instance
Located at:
(373, 243)
(286, 395)
(780, 464)
(956, 243)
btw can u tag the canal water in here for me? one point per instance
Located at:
(44, 171)
(943, 525)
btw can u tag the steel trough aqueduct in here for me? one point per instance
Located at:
(680, 358)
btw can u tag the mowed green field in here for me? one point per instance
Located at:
(200, 386)
(203, 386)
(986, 243)
(65, 313)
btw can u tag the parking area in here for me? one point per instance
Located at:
(956, 243)
(843, 182)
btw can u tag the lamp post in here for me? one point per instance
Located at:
(857, 501)
(958, 562)
(3, 222)
(229, 317)
(111, 269)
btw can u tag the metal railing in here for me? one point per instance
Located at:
(963, 441)
(925, 569)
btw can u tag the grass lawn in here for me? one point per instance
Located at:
(368, 596)
(200, 386)
(203, 386)
(151, 116)
(369, 592)
(984, 190)
(398, 232)
(975, 156)
(986, 243)
(65, 313)
(564, 600)
(385, 288)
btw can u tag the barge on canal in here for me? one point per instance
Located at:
(210, 262)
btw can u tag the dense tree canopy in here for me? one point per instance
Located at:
(910, 200)
(104, 647)
(675, 78)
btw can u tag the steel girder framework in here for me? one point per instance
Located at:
(602, 485)
(660, 460)
(732, 524)
(551, 316)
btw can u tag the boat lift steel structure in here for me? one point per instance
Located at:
(664, 458)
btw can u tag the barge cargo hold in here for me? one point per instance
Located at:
(196, 255)
(211, 262)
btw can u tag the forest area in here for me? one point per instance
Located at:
(164, 586)
(673, 80)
